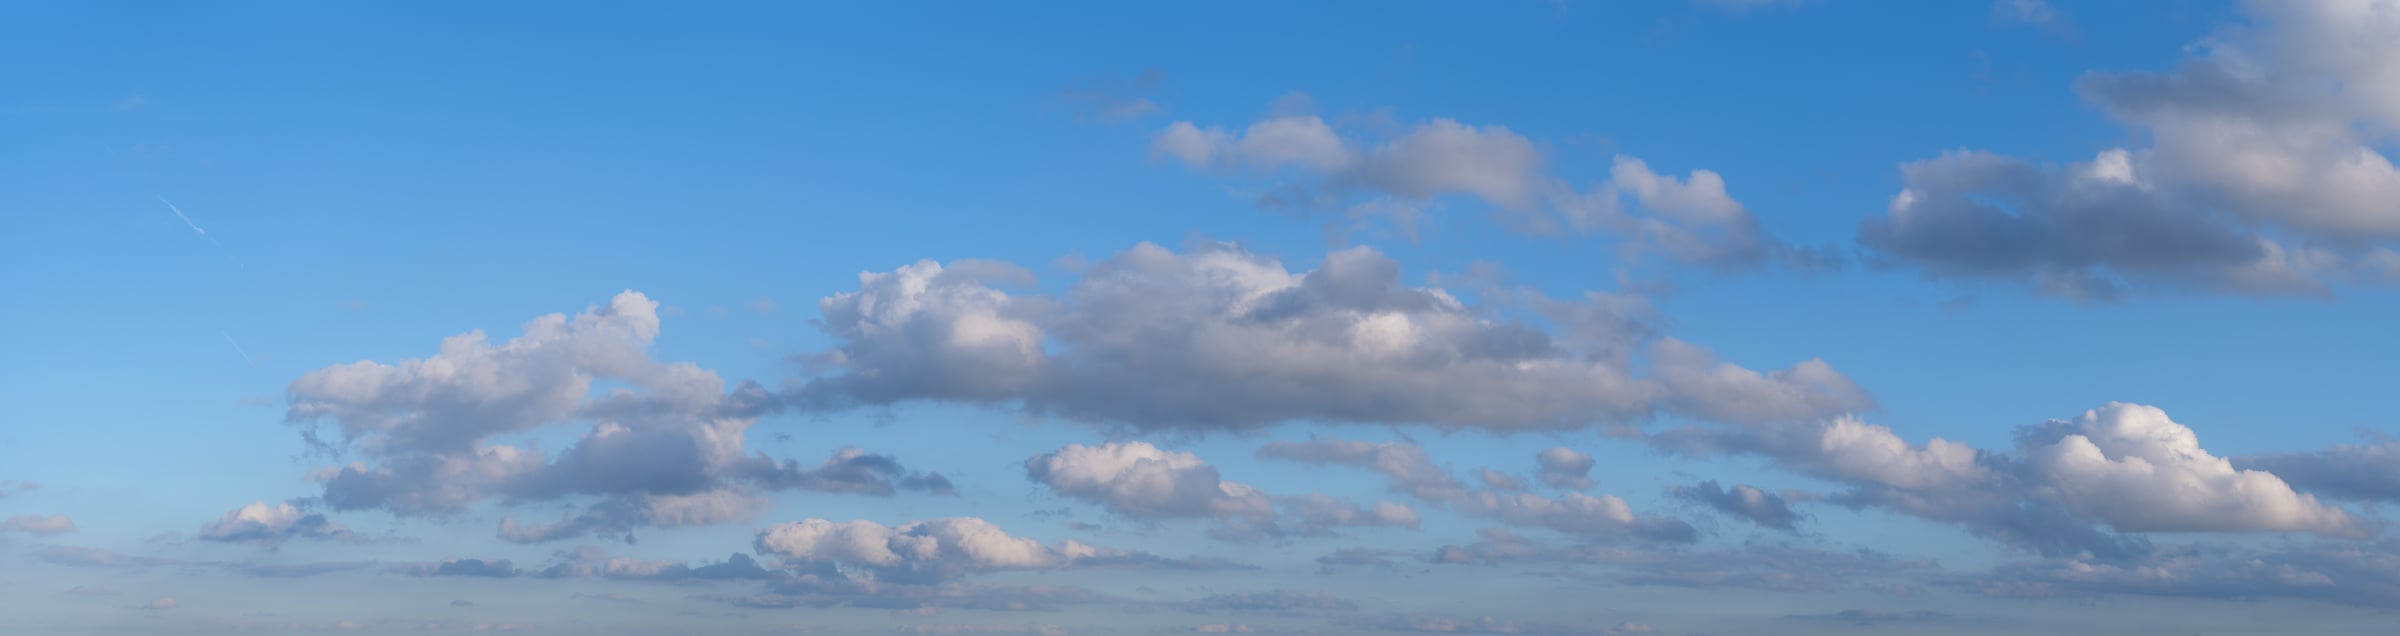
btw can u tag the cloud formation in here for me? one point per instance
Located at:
(2085, 486)
(264, 524)
(38, 525)
(2363, 472)
(1688, 219)
(1218, 338)
(1744, 502)
(1602, 518)
(1141, 481)
(2264, 174)
(664, 448)
(1564, 468)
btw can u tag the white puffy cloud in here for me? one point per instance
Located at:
(2124, 467)
(271, 524)
(2131, 467)
(37, 524)
(1690, 219)
(1141, 481)
(1220, 338)
(2263, 174)
(664, 445)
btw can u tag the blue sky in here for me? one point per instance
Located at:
(1764, 317)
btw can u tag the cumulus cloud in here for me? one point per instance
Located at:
(11, 487)
(2127, 468)
(38, 525)
(664, 445)
(2263, 173)
(1410, 471)
(1688, 219)
(265, 524)
(1744, 502)
(1219, 338)
(1141, 481)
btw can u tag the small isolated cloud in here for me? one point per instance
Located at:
(1744, 502)
(271, 524)
(38, 525)
(1141, 481)
(1562, 467)
(160, 603)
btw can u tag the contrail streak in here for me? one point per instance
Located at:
(237, 346)
(186, 220)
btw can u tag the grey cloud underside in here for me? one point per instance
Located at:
(664, 450)
(2090, 487)
(1217, 338)
(1744, 502)
(2363, 472)
(2267, 174)
(1398, 178)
